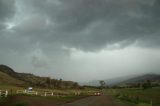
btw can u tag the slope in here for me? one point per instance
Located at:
(7, 79)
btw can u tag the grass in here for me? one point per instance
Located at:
(65, 98)
(70, 97)
(9, 87)
(26, 100)
(61, 96)
(20, 104)
(136, 97)
(7, 79)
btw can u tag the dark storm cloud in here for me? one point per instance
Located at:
(91, 24)
(2, 26)
(7, 10)
(64, 35)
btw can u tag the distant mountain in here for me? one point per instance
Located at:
(9, 76)
(109, 82)
(90, 83)
(142, 79)
(126, 80)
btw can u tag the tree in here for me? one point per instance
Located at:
(75, 85)
(66, 84)
(147, 84)
(60, 83)
(102, 83)
(48, 81)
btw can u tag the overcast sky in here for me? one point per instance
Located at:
(80, 40)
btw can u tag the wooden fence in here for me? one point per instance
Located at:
(21, 91)
(27, 92)
(3, 93)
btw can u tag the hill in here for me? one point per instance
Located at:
(8, 70)
(9, 76)
(7, 79)
(131, 79)
(143, 78)
(109, 82)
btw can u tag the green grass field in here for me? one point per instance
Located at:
(24, 99)
(136, 97)
(14, 88)
(27, 100)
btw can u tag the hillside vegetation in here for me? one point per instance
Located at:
(136, 97)
(7, 79)
(9, 76)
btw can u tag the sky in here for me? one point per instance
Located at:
(80, 40)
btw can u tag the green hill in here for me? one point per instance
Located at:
(7, 79)
(9, 76)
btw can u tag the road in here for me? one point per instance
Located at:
(103, 100)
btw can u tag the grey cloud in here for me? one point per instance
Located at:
(32, 25)
(84, 24)
(56, 26)
(7, 11)
(91, 24)
(2, 26)
(38, 63)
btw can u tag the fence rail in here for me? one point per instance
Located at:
(4, 93)
(48, 94)
(21, 91)
(32, 93)
(27, 92)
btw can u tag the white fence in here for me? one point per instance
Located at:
(21, 91)
(48, 94)
(32, 93)
(3, 93)
(27, 92)
(77, 93)
(43, 93)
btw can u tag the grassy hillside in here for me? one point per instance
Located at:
(7, 79)
(130, 79)
(136, 97)
(143, 78)
(9, 76)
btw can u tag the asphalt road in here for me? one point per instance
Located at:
(93, 101)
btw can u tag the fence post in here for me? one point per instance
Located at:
(45, 94)
(36, 93)
(52, 93)
(6, 93)
(0, 93)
